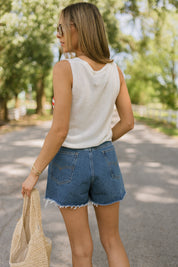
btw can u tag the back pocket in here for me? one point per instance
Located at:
(63, 166)
(112, 162)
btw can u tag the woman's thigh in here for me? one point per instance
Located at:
(77, 225)
(108, 220)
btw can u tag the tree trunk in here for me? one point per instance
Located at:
(16, 101)
(3, 109)
(40, 97)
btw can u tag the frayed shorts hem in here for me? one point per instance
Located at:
(51, 201)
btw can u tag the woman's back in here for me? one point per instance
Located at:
(94, 92)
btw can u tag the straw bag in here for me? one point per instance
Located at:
(30, 247)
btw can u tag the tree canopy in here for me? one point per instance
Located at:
(147, 39)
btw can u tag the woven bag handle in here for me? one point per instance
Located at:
(25, 206)
(35, 211)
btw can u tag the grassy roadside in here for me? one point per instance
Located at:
(28, 120)
(161, 126)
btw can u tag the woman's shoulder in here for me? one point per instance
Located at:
(121, 75)
(62, 66)
(62, 71)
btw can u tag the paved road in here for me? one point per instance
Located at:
(148, 215)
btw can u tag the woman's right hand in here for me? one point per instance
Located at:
(29, 183)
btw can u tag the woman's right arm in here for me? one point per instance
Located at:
(124, 109)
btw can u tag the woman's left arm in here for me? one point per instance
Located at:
(62, 84)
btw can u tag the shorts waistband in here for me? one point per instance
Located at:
(106, 144)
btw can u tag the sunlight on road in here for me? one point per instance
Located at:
(125, 164)
(28, 161)
(152, 164)
(154, 194)
(12, 170)
(173, 181)
(31, 143)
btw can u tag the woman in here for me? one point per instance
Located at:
(83, 164)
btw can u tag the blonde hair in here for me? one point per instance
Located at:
(91, 31)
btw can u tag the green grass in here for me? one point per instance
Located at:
(162, 126)
(30, 111)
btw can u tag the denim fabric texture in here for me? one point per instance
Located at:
(77, 176)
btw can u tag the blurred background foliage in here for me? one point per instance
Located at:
(143, 39)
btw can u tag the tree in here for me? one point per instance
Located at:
(11, 80)
(42, 18)
(26, 57)
(153, 70)
(26, 40)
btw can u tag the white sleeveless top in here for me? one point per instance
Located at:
(93, 97)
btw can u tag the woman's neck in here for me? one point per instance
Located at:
(79, 54)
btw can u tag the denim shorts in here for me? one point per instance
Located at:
(78, 176)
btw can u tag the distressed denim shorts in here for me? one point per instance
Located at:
(78, 176)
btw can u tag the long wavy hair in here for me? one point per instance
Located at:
(91, 31)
